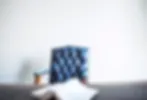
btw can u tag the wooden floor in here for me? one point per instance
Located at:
(133, 91)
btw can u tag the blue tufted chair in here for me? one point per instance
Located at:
(68, 62)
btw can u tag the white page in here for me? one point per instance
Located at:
(71, 90)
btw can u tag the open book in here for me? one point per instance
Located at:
(71, 90)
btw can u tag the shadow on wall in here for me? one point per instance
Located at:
(29, 66)
(25, 71)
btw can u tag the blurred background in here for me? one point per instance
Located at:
(113, 30)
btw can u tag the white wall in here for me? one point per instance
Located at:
(145, 29)
(112, 29)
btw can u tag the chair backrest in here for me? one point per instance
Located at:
(68, 62)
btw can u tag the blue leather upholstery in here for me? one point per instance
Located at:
(68, 62)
